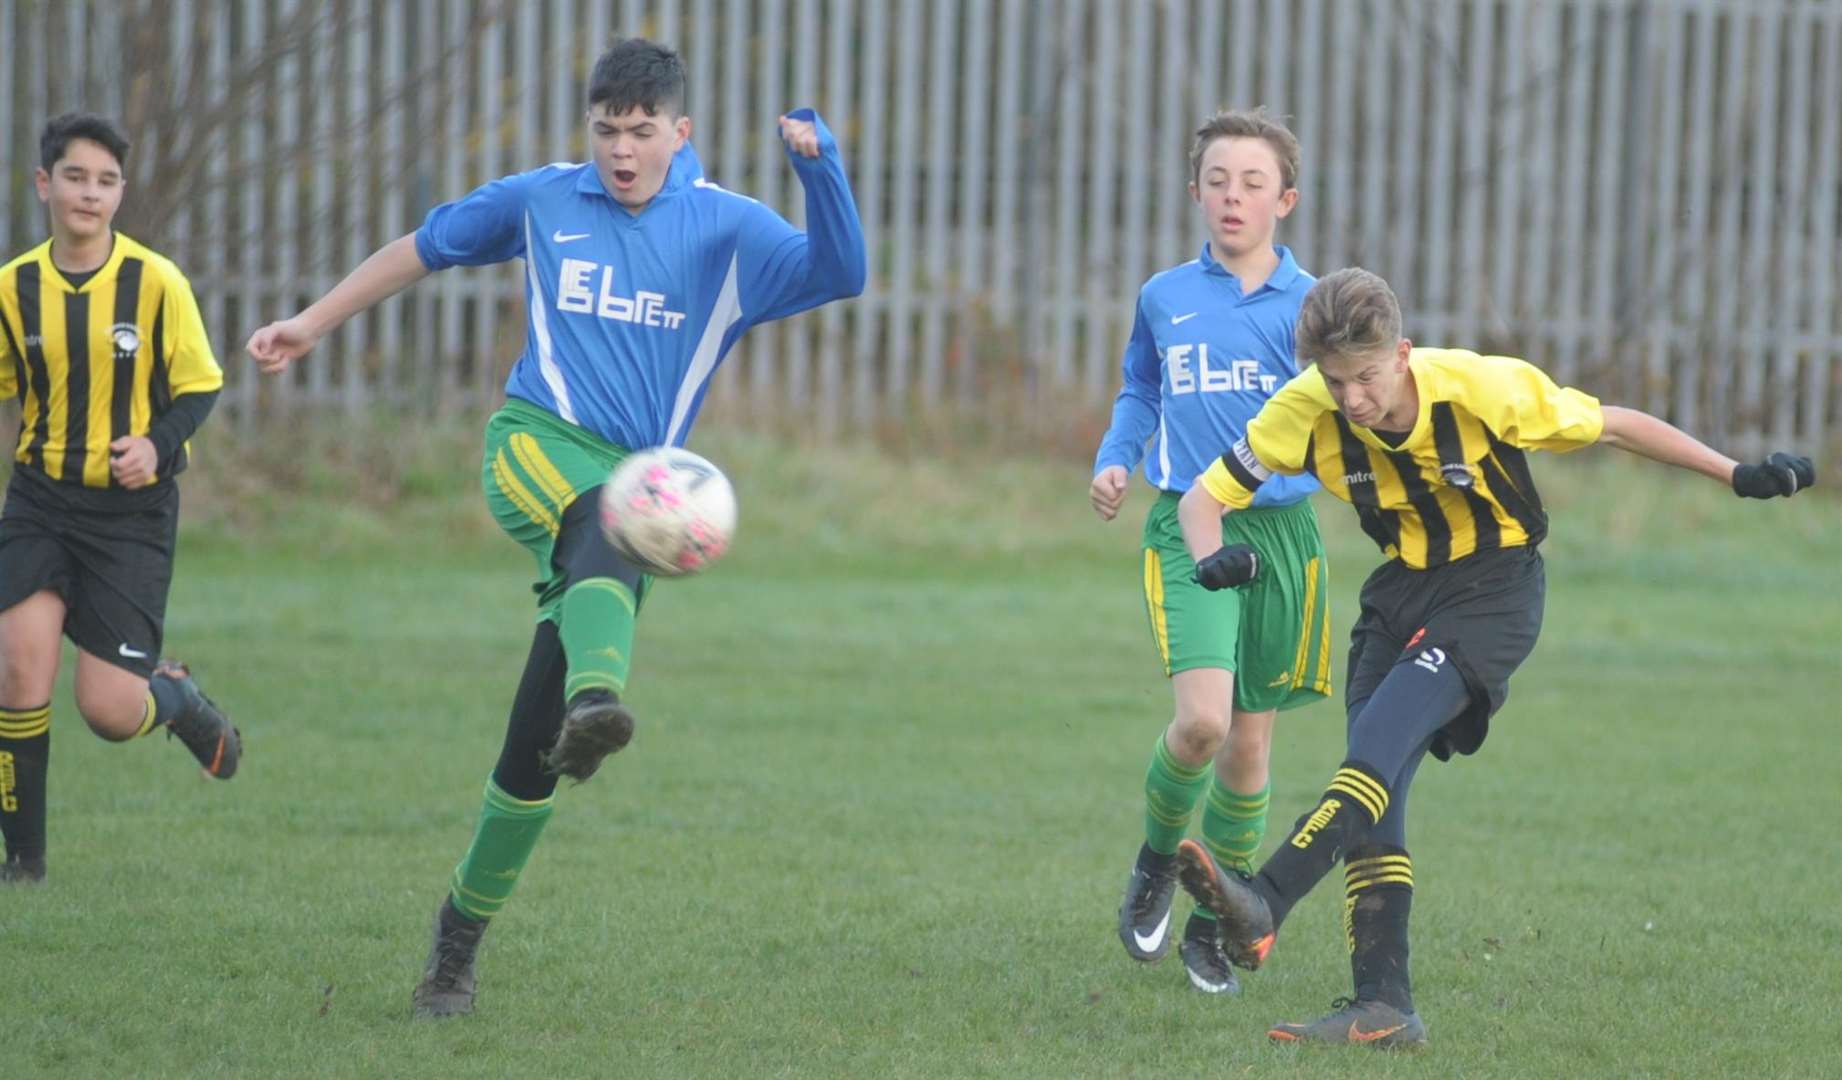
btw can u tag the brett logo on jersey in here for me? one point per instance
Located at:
(574, 294)
(1238, 375)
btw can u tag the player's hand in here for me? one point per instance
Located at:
(1228, 568)
(279, 344)
(801, 136)
(1107, 491)
(1780, 474)
(133, 461)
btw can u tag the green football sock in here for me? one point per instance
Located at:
(595, 622)
(507, 832)
(1234, 824)
(1171, 792)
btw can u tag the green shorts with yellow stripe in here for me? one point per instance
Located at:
(1273, 633)
(536, 465)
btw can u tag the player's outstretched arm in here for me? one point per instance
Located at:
(784, 271)
(836, 258)
(1645, 435)
(391, 269)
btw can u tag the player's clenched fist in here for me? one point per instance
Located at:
(278, 344)
(133, 461)
(1780, 474)
(1107, 491)
(1228, 568)
(801, 136)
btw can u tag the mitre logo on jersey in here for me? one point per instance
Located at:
(574, 293)
(1189, 378)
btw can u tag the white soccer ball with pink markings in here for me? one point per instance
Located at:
(668, 511)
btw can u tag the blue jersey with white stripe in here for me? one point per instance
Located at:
(1203, 358)
(630, 314)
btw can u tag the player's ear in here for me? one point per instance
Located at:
(1401, 352)
(42, 181)
(683, 130)
(1287, 201)
(1195, 193)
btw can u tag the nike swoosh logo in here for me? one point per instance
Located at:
(1359, 1035)
(1148, 943)
(132, 654)
(1175, 319)
(561, 237)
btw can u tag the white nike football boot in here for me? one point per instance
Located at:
(1144, 915)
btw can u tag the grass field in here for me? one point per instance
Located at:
(885, 792)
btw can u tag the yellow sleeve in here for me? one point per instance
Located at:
(9, 360)
(9, 379)
(1525, 408)
(191, 369)
(1276, 442)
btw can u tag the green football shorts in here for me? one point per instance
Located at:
(537, 464)
(1273, 633)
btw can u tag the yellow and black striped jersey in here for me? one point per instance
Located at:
(95, 362)
(1458, 484)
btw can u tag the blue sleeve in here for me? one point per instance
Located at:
(487, 226)
(1135, 411)
(782, 271)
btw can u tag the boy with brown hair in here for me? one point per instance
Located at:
(1429, 446)
(1211, 342)
(102, 343)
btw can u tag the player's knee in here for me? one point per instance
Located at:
(24, 678)
(1201, 729)
(583, 552)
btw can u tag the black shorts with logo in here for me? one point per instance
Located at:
(107, 552)
(1483, 611)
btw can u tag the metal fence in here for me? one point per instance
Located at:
(1642, 196)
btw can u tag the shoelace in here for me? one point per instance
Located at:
(1216, 946)
(1160, 886)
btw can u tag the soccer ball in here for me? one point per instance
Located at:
(668, 511)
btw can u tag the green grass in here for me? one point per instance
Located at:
(885, 792)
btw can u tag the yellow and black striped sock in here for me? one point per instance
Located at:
(25, 751)
(1355, 800)
(165, 700)
(150, 717)
(1377, 901)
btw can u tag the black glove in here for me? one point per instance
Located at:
(1234, 565)
(1780, 474)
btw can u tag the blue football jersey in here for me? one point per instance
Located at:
(1203, 358)
(630, 314)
